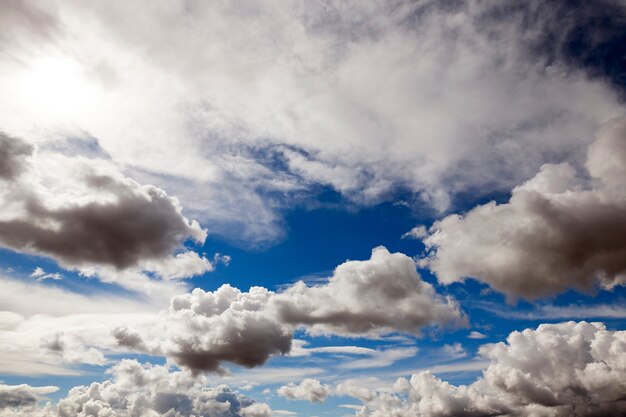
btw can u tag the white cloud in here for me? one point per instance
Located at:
(140, 390)
(362, 96)
(476, 335)
(308, 389)
(567, 369)
(380, 295)
(88, 216)
(557, 231)
(39, 274)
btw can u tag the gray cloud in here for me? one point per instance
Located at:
(14, 153)
(558, 231)
(83, 212)
(12, 396)
(382, 294)
(567, 369)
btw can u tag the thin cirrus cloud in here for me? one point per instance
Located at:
(558, 231)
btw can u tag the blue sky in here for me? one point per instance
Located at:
(312, 209)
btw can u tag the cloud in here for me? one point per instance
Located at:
(12, 396)
(39, 274)
(566, 369)
(557, 231)
(476, 335)
(364, 97)
(85, 214)
(380, 295)
(206, 328)
(14, 154)
(201, 330)
(144, 390)
(308, 389)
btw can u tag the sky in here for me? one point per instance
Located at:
(312, 208)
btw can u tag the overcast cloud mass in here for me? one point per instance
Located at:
(305, 208)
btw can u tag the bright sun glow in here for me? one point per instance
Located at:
(55, 89)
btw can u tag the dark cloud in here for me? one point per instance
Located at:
(558, 231)
(14, 154)
(88, 214)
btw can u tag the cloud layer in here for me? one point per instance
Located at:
(558, 230)
(382, 294)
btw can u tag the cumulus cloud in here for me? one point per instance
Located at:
(206, 328)
(558, 230)
(362, 96)
(201, 330)
(85, 214)
(382, 294)
(567, 369)
(308, 389)
(143, 390)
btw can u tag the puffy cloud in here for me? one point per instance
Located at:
(206, 328)
(12, 396)
(567, 369)
(382, 294)
(556, 232)
(14, 154)
(203, 329)
(145, 391)
(308, 389)
(85, 214)
(365, 96)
